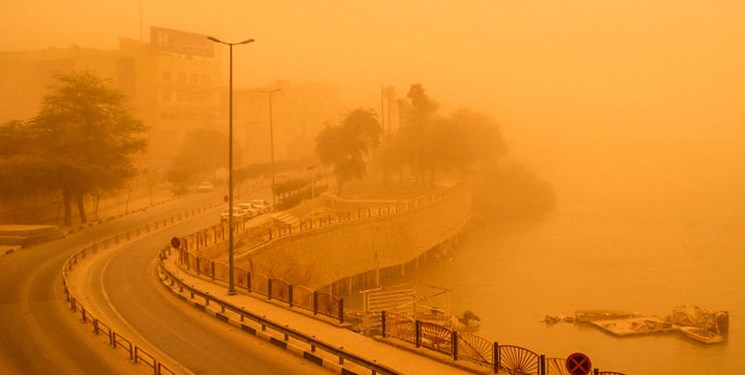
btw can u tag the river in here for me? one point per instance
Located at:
(641, 224)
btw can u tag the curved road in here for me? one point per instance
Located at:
(39, 334)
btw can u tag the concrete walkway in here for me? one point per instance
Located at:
(407, 361)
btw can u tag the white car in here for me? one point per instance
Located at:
(261, 206)
(205, 187)
(248, 209)
(238, 213)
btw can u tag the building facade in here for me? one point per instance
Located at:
(177, 82)
(298, 113)
(173, 83)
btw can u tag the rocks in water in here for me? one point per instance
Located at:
(553, 319)
(695, 316)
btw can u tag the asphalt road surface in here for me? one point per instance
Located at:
(40, 335)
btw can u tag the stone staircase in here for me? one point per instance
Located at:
(286, 218)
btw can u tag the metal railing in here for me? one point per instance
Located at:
(320, 303)
(116, 340)
(261, 236)
(284, 332)
(464, 346)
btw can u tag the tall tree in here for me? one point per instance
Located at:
(417, 130)
(429, 143)
(86, 137)
(345, 147)
(20, 172)
(480, 134)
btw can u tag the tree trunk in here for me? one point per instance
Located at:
(129, 195)
(66, 205)
(81, 208)
(98, 200)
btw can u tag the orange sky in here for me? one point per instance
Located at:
(585, 68)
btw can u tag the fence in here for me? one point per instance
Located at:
(464, 346)
(260, 236)
(115, 340)
(320, 303)
(283, 331)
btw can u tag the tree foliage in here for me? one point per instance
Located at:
(429, 142)
(203, 151)
(81, 141)
(345, 147)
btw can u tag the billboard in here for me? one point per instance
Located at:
(181, 42)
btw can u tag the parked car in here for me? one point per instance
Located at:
(248, 209)
(238, 213)
(205, 187)
(261, 206)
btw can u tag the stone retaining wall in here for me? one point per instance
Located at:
(322, 257)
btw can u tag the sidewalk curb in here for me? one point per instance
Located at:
(81, 227)
(462, 365)
(273, 302)
(309, 356)
(474, 369)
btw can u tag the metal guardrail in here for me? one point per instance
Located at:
(115, 340)
(286, 332)
(318, 302)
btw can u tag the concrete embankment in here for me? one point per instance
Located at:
(351, 254)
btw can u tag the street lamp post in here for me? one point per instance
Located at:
(271, 138)
(231, 266)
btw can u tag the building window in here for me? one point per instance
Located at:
(206, 80)
(165, 76)
(182, 78)
(194, 79)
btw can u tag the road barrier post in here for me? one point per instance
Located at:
(417, 332)
(382, 323)
(454, 341)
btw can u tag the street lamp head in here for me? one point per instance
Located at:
(212, 38)
(270, 91)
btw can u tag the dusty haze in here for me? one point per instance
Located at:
(572, 68)
(634, 109)
(556, 75)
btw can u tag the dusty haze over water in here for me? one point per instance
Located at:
(633, 110)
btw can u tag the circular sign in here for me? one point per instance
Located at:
(578, 364)
(176, 242)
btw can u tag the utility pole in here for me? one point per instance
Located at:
(271, 138)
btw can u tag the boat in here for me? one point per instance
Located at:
(584, 316)
(701, 335)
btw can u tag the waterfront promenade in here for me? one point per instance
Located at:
(406, 361)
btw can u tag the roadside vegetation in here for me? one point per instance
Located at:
(81, 143)
(431, 147)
